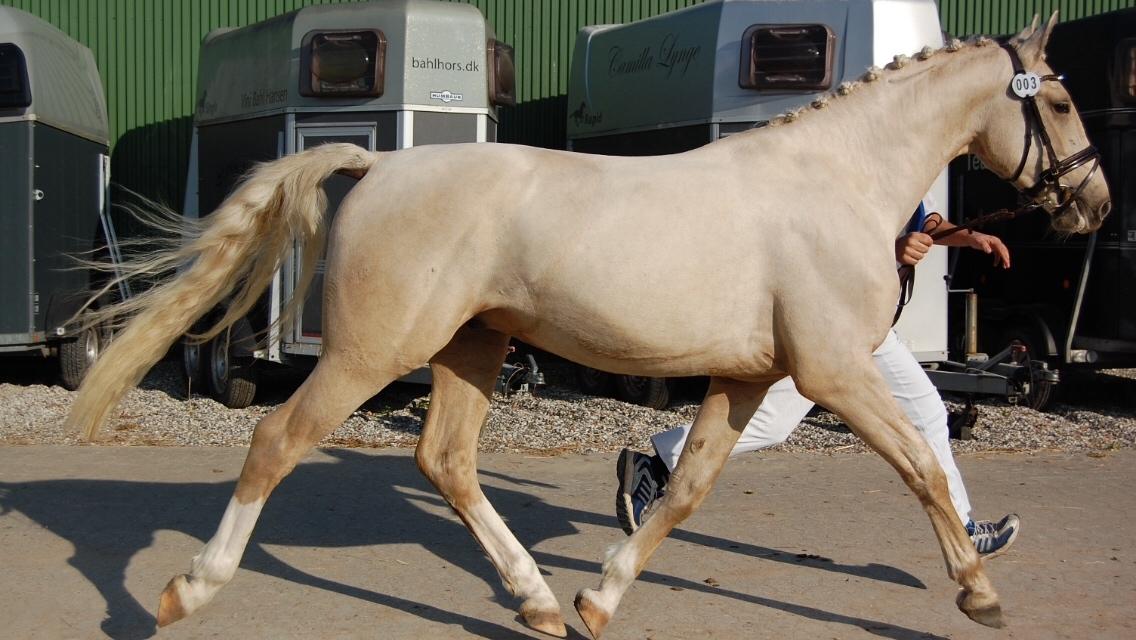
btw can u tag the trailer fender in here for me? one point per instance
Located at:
(242, 340)
(1031, 327)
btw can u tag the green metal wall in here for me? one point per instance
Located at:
(996, 17)
(147, 52)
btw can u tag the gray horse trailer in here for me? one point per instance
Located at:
(53, 190)
(382, 75)
(683, 79)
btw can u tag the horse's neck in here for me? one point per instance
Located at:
(903, 127)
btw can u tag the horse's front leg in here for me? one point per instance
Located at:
(727, 408)
(858, 394)
(464, 375)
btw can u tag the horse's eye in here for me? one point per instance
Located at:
(1062, 107)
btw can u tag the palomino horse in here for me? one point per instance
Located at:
(766, 254)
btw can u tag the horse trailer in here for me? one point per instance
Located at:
(683, 79)
(1068, 300)
(54, 140)
(381, 75)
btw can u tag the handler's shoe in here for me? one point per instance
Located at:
(992, 539)
(641, 482)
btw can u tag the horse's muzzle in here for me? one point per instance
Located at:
(1079, 216)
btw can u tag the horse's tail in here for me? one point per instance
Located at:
(239, 246)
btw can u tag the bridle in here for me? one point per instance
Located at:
(1048, 180)
(1025, 86)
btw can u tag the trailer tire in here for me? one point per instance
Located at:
(654, 393)
(593, 381)
(192, 367)
(1041, 391)
(231, 376)
(1041, 394)
(193, 359)
(76, 356)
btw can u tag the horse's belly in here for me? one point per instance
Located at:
(644, 353)
(655, 329)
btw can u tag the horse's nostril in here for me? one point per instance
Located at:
(1105, 209)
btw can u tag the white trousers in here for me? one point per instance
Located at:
(784, 408)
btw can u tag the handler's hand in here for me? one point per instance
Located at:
(989, 244)
(911, 248)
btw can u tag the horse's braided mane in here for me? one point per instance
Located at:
(875, 73)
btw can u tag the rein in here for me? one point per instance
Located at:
(1026, 87)
(1001, 215)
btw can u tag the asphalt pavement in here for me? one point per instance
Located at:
(356, 544)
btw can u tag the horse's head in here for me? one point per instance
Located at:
(1034, 139)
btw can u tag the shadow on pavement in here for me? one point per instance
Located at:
(347, 503)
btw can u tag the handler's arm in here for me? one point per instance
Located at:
(977, 240)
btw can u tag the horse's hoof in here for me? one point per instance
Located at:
(170, 608)
(983, 610)
(543, 620)
(988, 616)
(595, 617)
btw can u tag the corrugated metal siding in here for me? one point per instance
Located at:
(994, 17)
(147, 54)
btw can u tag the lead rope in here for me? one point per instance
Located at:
(907, 272)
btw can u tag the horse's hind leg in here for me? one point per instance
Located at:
(873, 415)
(724, 413)
(464, 376)
(281, 438)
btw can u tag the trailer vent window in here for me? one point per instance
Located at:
(780, 57)
(14, 88)
(343, 63)
(502, 74)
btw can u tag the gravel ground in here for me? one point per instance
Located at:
(1097, 413)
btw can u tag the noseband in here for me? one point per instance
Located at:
(1026, 86)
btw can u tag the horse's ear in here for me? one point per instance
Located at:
(1032, 41)
(1030, 30)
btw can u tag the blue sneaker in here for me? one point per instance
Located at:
(992, 539)
(642, 479)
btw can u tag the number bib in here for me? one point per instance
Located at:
(1026, 84)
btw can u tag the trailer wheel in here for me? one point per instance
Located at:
(193, 359)
(231, 376)
(76, 356)
(1040, 395)
(192, 367)
(654, 393)
(1041, 390)
(593, 381)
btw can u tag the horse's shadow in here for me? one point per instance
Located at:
(342, 504)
